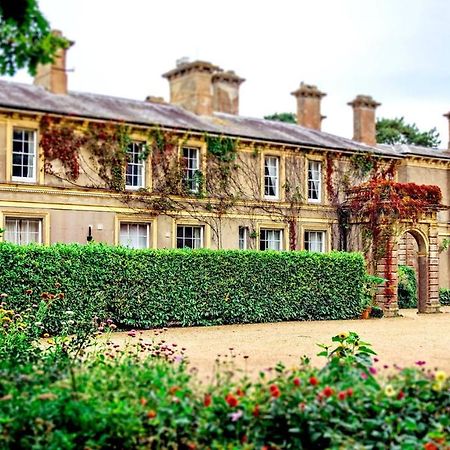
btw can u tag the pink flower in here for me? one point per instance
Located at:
(420, 363)
(364, 375)
(372, 370)
(236, 415)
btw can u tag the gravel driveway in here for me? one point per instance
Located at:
(402, 341)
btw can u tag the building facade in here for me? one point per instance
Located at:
(192, 172)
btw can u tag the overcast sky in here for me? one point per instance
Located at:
(398, 51)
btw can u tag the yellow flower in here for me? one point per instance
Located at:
(440, 376)
(437, 386)
(343, 335)
(389, 391)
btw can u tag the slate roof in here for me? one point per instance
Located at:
(35, 98)
(415, 150)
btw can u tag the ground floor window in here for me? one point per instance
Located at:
(243, 238)
(135, 235)
(315, 241)
(189, 236)
(270, 239)
(23, 231)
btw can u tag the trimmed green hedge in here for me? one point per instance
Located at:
(407, 287)
(444, 296)
(155, 288)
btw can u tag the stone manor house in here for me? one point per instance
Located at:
(194, 173)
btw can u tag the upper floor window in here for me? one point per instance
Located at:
(243, 238)
(191, 159)
(23, 231)
(189, 236)
(271, 176)
(135, 235)
(24, 155)
(270, 239)
(135, 174)
(314, 181)
(315, 241)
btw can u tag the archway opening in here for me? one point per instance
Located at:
(413, 253)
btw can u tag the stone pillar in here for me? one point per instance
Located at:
(448, 117)
(386, 296)
(364, 108)
(308, 106)
(53, 76)
(432, 304)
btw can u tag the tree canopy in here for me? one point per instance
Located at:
(282, 117)
(396, 131)
(25, 37)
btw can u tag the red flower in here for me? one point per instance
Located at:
(328, 392)
(231, 400)
(151, 414)
(143, 401)
(349, 392)
(244, 439)
(174, 389)
(297, 381)
(430, 446)
(207, 400)
(313, 381)
(342, 395)
(240, 393)
(274, 391)
(255, 411)
(400, 395)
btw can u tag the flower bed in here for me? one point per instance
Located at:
(144, 396)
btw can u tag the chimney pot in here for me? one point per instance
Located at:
(364, 130)
(53, 76)
(309, 98)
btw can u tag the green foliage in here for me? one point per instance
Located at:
(282, 117)
(25, 37)
(140, 396)
(154, 288)
(362, 164)
(444, 296)
(396, 131)
(407, 287)
(376, 312)
(223, 148)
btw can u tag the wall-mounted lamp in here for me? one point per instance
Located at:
(89, 236)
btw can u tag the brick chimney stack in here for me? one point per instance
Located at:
(448, 117)
(191, 86)
(308, 106)
(364, 107)
(226, 92)
(53, 76)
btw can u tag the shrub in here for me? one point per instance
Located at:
(444, 296)
(156, 288)
(407, 287)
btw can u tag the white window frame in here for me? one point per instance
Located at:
(270, 177)
(198, 242)
(136, 165)
(243, 238)
(124, 235)
(269, 235)
(191, 168)
(33, 155)
(310, 240)
(314, 177)
(18, 232)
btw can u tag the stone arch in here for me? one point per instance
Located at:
(413, 251)
(425, 235)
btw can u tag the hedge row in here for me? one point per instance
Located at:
(155, 288)
(407, 287)
(444, 296)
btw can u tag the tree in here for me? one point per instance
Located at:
(396, 131)
(25, 37)
(282, 117)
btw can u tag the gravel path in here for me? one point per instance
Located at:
(402, 341)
